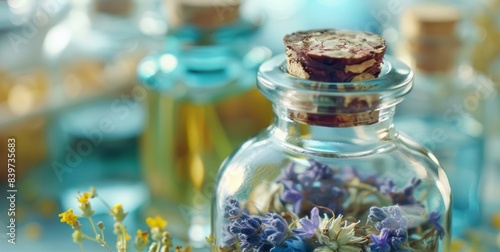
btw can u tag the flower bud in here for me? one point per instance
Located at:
(77, 236)
(100, 225)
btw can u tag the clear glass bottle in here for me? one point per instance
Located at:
(201, 103)
(446, 109)
(330, 171)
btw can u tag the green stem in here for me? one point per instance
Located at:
(81, 247)
(92, 225)
(101, 241)
(98, 241)
(102, 235)
(158, 247)
(86, 236)
(124, 237)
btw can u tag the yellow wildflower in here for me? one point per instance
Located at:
(84, 198)
(157, 222)
(127, 237)
(68, 217)
(118, 213)
(141, 240)
(166, 239)
(86, 209)
(144, 235)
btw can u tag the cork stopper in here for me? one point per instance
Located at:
(203, 14)
(337, 56)
(114, 7)
(430, 35)
(334, 55)
(430, 20)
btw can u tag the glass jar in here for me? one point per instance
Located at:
(201, 103)
(447, 108)
(331, 172)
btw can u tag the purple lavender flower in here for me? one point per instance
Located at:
(392, 224)
(309, 226)
(292, 195)
(391, 217)
(317, 185)
(434, 218)
(254, 233)
(380, 242)
(248, 229)
(401, 196)
(388, 241)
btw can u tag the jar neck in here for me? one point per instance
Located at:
(361, 139)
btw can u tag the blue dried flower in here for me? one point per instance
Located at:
(401, 196)
(392, 224)
(254, 233)
(292, 244)
(246, 224)
(232, 208)
(275, 230)
(248, 229)
(434, 218)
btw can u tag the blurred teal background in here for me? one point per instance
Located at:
(70, 97)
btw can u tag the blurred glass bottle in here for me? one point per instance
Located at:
(486, 59)
(202, 102)
(486, 54)
(95, 118)
(446, 109)
(96, 48)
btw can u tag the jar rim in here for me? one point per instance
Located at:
(335, 104)
(395, 80)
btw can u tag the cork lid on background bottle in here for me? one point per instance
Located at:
(430, 37)
(203, 14)
(114, 7)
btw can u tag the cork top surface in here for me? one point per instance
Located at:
(334, 55)
(349, 46)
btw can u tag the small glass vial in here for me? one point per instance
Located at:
(446, 109)
(201, 103)
(331, 172)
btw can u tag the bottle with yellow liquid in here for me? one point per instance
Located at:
(201, 103)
